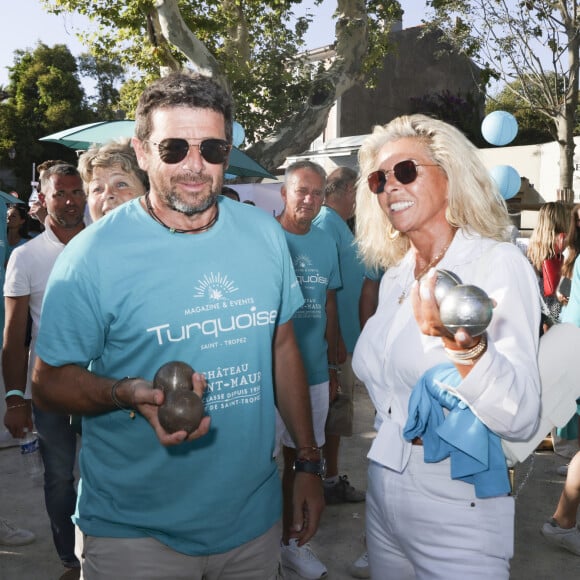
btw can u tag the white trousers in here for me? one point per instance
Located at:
(422, 525)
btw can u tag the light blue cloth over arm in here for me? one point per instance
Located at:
(475, 451)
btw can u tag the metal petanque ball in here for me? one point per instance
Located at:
(172, 376)
(182, 408)
(445, 281)
(181, 411)
(466, 306)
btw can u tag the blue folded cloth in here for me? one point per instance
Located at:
(476, 453)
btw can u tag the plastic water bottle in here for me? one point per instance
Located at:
(31, 460)
(34, 194)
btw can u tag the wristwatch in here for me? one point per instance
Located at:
(309, 466)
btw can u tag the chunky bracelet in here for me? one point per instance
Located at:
(469, 356)
(308, 451)
(14, 392)
(335, 368)
(128, 410)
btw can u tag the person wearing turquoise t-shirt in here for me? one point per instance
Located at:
(315, 260)
(338, 208)
(180, 274)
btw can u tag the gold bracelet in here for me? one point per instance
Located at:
(131, 412)
(469, 356)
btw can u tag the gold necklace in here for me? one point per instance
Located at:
(432, 263)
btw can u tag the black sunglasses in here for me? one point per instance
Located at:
(405, 172)
(174, 150)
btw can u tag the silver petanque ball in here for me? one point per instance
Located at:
(445, 280)
(466, 306)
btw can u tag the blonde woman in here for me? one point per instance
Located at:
(546, 242)
(425, 201)
(111, 176)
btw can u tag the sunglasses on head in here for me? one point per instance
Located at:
(174, 150)
(405, 172)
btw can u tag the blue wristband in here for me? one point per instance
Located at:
(16, 392)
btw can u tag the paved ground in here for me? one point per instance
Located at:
(338, 540)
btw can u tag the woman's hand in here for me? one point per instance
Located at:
(426, 311)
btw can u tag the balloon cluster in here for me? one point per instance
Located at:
(500, 128)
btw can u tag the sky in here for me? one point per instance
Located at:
(24, 23)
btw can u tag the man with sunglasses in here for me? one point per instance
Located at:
(181, 274)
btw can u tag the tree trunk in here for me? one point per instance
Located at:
(566, 143)
(302, 129)
(566, 120)
(297, 135)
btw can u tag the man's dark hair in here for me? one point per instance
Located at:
(45, 165)
(58, 169)
(230, 191)
(49, 163)
(182, 89)
(339, 181)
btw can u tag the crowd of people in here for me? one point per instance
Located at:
(147, 257)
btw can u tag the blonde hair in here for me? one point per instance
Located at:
(119, 152)
(553, 219)
(474, 203)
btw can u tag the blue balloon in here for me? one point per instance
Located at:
(499, 128)
(239, 134)
(507, 179)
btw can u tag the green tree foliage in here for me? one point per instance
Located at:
(253, 47)
(536, 43)
(533, 127)
(254, 43)
(44, 96)
(108, 75)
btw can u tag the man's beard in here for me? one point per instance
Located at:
(66, 222)
(176, 202)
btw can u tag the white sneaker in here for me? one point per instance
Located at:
(360, 567)
(10, 535)
(302, 560)
(569, 539)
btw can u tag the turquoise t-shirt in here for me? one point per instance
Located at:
(316, 264)
(352, 272)
(125, 297)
